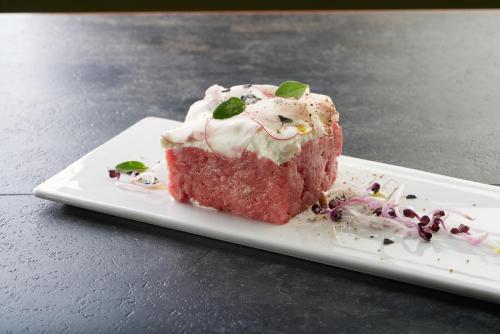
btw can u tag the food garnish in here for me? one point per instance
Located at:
(388, 241)
(128, 167)
(284, 119)
(113, 173)
(139, 177)
(374, 211)
(227, 109)
(249, 99)
(293, 89)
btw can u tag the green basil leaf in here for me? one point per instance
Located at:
(229, 108)
(131, 166)
(291, 89)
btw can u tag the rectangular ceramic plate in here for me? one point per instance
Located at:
(444, 263)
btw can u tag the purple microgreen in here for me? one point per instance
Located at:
(424, 220)
(336, 215)
(434, 227)
(332, 203)
(316, 208)
(438, 213)
(463, 228)
(424, 233)
(113, 173)
(375, 187)
(410, 213)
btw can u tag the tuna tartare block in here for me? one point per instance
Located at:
(258, 151)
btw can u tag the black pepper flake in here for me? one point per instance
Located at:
(247, 85)
(249, 99)
(226, 90)
(284, 119)
(411, 197)
(371, 236)
(388, 241)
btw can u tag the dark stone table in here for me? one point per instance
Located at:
(414, 89)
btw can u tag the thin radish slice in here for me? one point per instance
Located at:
(285, 134)
(267, 114)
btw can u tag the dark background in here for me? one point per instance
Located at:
(425, 80)
(196, 5)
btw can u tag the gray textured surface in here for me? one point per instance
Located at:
(414, 89)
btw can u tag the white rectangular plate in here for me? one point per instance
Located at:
(444, 263)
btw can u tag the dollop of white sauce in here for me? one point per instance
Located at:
(271, 126)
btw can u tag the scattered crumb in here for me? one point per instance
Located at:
(451, 270)
(378, 250)
(423, 209)
(473, 204)
(356, 238)
(371, 236)
(388, 241)
(411, 196)
(467, 261)
(438, 259)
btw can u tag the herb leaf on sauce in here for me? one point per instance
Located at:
(229, 108)
(131, 166)
(293, 89)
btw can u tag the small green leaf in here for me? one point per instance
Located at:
(131, 166)
(291, 89)
(229, 108)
